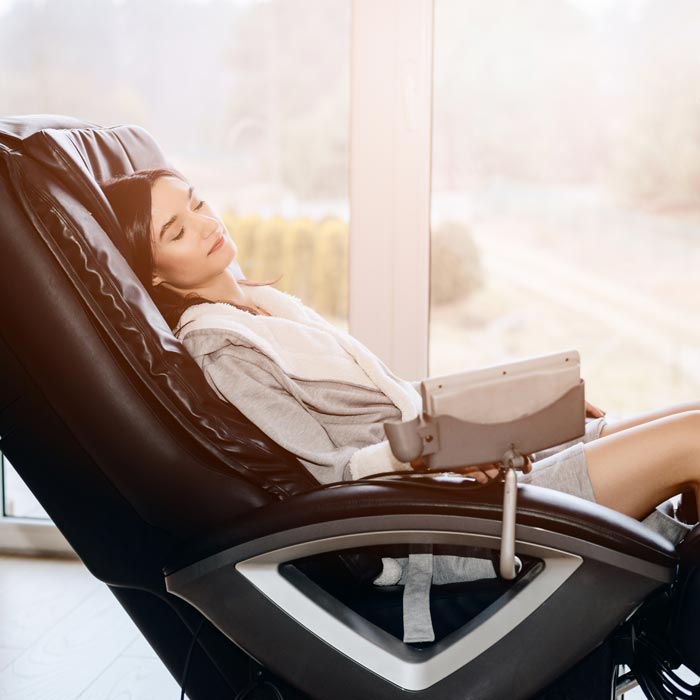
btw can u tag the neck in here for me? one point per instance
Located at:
(222, 288)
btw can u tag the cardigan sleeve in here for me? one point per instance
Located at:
(374, 459)
(262, 392)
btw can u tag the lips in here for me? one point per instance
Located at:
(217, 245)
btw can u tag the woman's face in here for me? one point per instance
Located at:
(190, 243)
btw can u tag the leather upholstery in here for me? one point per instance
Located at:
(429, 493)
(51, 165)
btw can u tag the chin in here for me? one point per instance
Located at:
(231, 252)
(227, 256)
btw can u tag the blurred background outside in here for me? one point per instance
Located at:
(565, 166)
(566, 150)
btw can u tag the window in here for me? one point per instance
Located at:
(249, 99)
(566, 191)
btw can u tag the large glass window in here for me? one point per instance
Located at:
(566, 191)
(249, 99)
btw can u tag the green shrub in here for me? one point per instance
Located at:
(312, 257)
(455, 265)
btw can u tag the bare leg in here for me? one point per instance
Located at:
(639, 464)
(616, 426)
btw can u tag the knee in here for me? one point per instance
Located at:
(684, 428)
(689, 421)
(685, 437)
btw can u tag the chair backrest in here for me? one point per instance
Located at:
(136, 434)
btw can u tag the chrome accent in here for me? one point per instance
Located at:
(412, 673)
(507, 566)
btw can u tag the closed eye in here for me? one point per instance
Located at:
(182, 230)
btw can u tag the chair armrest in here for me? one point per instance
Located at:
(397, 502)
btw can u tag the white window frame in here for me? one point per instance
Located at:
(390, 170)
(390, 167)
(27, 536)
(30, 535)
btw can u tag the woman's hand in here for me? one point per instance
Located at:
(593, 412)
(484, 473)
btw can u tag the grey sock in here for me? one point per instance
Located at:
(663, 522)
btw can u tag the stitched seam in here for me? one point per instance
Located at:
(242, 471)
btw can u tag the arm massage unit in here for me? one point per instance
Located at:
(248, 578)
(499, 414)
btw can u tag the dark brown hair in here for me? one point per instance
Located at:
(130, 198)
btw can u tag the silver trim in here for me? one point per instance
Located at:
(425, 524)
(507, 566)
(412, 674)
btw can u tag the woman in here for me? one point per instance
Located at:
(182, 252)
(324, 396)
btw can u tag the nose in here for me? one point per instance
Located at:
(207, 225)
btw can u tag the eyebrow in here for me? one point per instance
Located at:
(173, 217)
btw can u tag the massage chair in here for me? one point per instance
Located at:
(247, 577)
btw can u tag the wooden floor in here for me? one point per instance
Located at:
(64, 636)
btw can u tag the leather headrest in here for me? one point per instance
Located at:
(81, 154)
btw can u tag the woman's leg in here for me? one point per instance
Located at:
(611, 427)
(640, 463)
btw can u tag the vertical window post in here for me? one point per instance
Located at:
(390, 148)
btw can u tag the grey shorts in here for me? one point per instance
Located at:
(565, 471)
(564, 468)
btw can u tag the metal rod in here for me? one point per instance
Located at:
(510, 495)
